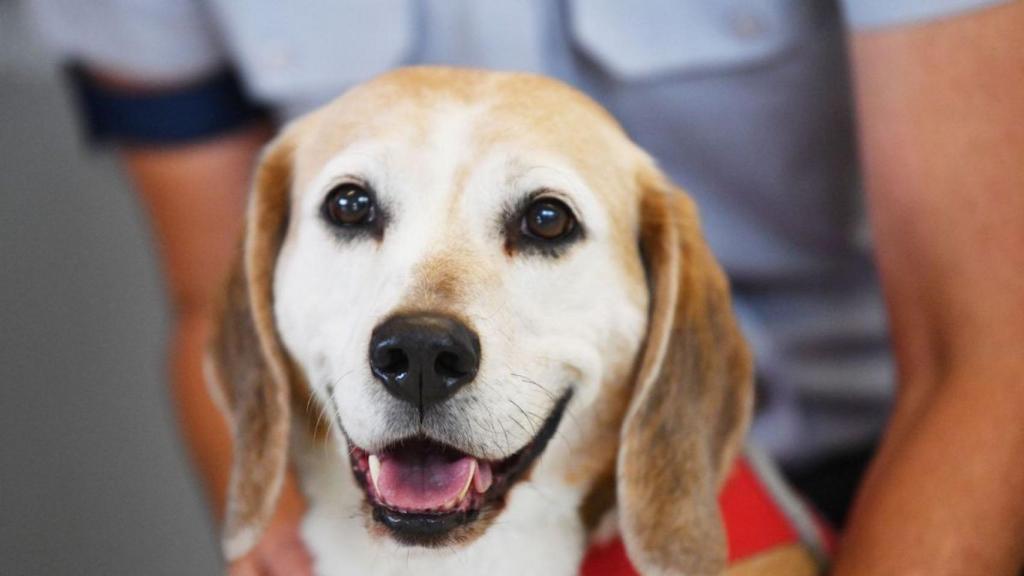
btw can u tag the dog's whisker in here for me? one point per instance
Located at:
(309, 404)
(508, 441)
(518, 423)
(535, 384)
(536, 418)
(575, 421)
(529, 420)
(338, 380)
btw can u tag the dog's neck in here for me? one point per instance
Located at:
(539, 532)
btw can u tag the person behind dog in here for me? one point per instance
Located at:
(896, 320)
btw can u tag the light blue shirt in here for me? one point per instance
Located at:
(745, 103)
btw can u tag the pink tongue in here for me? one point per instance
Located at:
(422, 483)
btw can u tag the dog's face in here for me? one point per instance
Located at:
(453, 264)
(456, 275)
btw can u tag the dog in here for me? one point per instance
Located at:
(488, 333)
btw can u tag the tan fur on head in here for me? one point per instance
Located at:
(247, 363)
(692, 403)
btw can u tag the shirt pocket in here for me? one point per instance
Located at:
(655, 38)
(309, 51)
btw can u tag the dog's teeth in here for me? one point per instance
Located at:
(483, 478)
(465, 489)
(469, 482)
(374, 471)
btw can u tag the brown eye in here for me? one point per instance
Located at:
(548, 219)
(349, 205)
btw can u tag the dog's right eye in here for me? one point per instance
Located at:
(350, 205)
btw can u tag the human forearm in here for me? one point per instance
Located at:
(944, 494)
(195, 196)
(941, 108)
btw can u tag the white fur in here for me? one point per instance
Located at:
(545, 326)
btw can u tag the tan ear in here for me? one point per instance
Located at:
(246, 366)
(692, 401)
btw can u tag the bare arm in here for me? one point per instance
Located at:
(195, 196)
(941, 109)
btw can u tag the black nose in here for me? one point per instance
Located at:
(424, 358)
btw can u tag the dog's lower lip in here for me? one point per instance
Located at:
(489, 482)
(421, 529)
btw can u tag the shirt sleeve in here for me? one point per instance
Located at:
(172, 45)
(865, 14)
(159, 41)
(183, 114)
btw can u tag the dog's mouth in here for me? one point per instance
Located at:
(422, 491)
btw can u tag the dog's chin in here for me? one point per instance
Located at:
(422, 492)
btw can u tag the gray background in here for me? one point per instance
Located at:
(93, 477)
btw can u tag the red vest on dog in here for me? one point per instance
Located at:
(760, 514)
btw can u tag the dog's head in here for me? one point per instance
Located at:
(483, 282)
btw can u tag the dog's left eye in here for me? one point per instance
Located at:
(349, 205)
(548, 219)
(542, 225)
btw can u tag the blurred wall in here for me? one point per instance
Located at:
(93, 478)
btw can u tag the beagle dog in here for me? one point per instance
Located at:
(487, 332)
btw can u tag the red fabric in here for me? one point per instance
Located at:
(753, 521)
(607, 560)
(753, 524)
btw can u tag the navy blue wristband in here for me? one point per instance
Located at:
(180, 115)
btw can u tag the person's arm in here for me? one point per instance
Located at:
(941, 112)
(153, 78)
(194, 191)
(195, 197)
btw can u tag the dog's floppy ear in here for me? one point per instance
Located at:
(692, 397)
(246, 365)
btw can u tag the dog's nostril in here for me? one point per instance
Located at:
(393, 361)
(450, 365)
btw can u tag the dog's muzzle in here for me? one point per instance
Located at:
(422, 490)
